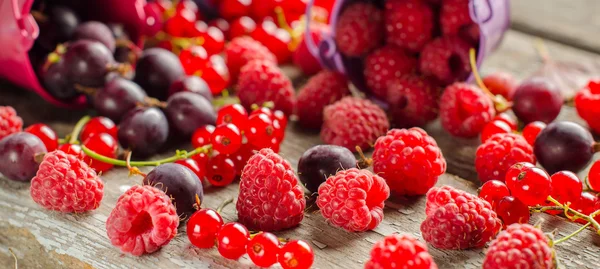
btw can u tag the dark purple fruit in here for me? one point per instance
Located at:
(156, 70)
(564, 145)
(537, 99)
(118, 97)
(17, 156)
(191, 84)
(95, 31)
(179, 183)
(88, 63)
(118, 31)
(144, 130)
(56, 81)
(322, 161)
(189, 111)
(57, 27)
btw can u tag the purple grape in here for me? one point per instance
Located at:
(88, 63)
(179, 183)
(58, 27)
(537, 99)
(17, 156)
(191, 84)
(564, 145)
(189, 111)
(143, 130)
(156, 70)
(322, 161)
(95, 31)
(118, 97)
(56, 81)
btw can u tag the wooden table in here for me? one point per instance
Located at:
(45, 239)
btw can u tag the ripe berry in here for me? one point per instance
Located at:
(216, 74)
(465, 110)
(520, 246)
(494, 127)
(537, 99)
(193, 59)
(566, 187)
(564, 145)
(587, 104)
(263, 249)
(201, 136)
(156, 70)
(586, 204)
(501, 83)
(10, 123)
(73, 149)
(231, 9)
(296, 254)
(302, 58)
(322, 161)
(508, 119)
(397, 250)
(17, 155)
(188, 111)
(180, 24)
(99, 125)
(44, 133)
(528, 183)
(320, 90)
(243, 50)
(493, 191)
(214, 40)
(241, 157)
(143, 130)
(220, 170)
(359, 29)
(202, 228)
(454, 16)
(510, 210)
(593, 179)
(277, 40)
(88, 62)
(95, 31)
(262, 81)
(446, 59)
(221, 24)
(386, 64)
(235, 114)
(494, 157)
(118, 97)
(232, 240)
(532, 130)
(103, 144)
(241, 26)
(193, 165)
(226, 138)
(413, 101)
(408, 24)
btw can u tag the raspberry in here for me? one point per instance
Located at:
(465, 110)
(409, 24)
(242, 50)
(270, 199)
(458, 220)
(500, 152)
(143, 220)
(10, 123)
(455, 17)
(386, 64)
(413, 101)
(400, 251)
(321, 90)
(261, 81)
(65, 183)
(359, 29)
(409, 160)
(446, 59)
(587, 103)
(352, 122)
(353, 199)
(520, 246)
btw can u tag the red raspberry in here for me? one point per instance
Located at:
(353, 199)
(386, 64)
(400, 251)
(261, 81)
(500, 152)
(458, 220)
(409, 160)
(65, 183)
(359, 29)
(270, 199)
(587, 103)
(321, 90)
(501, 83)
(409, 24)
(446, 59)
(352, 122)
(413, 101)
(10, 123)
(455, 17)
(520, 246)
(302, 57)
(143, 220)
(465, 110)
(242, 50)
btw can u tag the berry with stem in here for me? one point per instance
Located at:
(493, 191)
(235, 114)
(501, 83)
(296, 254)
(232, 240)
(98, 125)
(203, 226)
(511, 210)
(103, 144)
(587, 104)
(263, 249)
(566, 187)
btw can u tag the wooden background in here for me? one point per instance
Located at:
(45, 239)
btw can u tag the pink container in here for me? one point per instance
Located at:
(492, 16)
(18, 31)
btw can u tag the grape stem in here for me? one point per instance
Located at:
(179, 155)
(77, 129)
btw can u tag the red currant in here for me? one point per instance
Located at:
(511, 210)
(99, 125)
(222, 24)
(241, 26)
(232, 240)
(216, 74)
(201, 136)
(226, 138)
(586, 204)
(532, 130)
(501, 83)
(594, 177)
(512, 122)
(194, 166)
(103, 144)
(280, 116)
(492, 191)
(494, 127)
(202, 160)
(235, 114)
(46, 134)
(260, 131)
(198, 29)
(214, 40)
(529, 184)
(263, 249)
(241, 157)
(72, 149)
(231, 9)
(193, 59)
(220, 171)
(203, 226)
(187, 5)
(275, 39)
(180, 24)
(260, 9)
(296, 254)
(263, 110)
(566, 187)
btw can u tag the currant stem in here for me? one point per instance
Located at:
(572, 234)
(577, 214)
(179, 155)
(77, 129)
(500, 103)
(224, 204)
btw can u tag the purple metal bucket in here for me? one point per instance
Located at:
(492, 16)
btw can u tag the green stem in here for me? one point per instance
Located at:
(178, 156)
(224, 204)
(572, 234)
(77, 129)
(577, 214)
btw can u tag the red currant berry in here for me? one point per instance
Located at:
(46, 134)
(235, 114)
(296, 254)
(221, 24)
(180, 24)
(202, 160)
(532, 130)
(594, 177)
(241, 157)
(586, 204)
(103, 144)
(199, 29)
(232, 240)
(505, 117)
(214, 40)
(194, 166)
(99, 125)
(493, 191)
(494, 127)
(501, 83)
(187, 5)
(231, 9)
(263, 110)
(275, 39)
(193, 59)
(220, 171)
(241, 26)
(529, 184)
(566, 187)
(263, 249)
(280, 116)
(226, 138)
(216, 74)
(260, 130)
(203, 226)
(511, 210)
(261, 9)
(274, 145)
(201, 136)
(72, 149)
